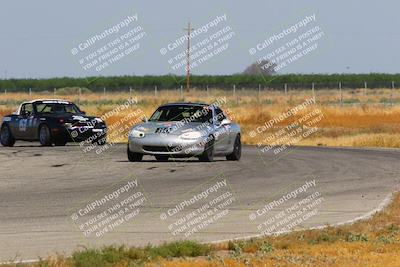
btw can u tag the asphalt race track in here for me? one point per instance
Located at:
(41, 188)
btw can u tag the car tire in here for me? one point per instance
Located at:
(134, 157)
(237, 150)
(44, 135)
(162, 157)
(60, 143)
(6, 137)
(100, 141)
(208, 153)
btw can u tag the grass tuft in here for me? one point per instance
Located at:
(107, 256)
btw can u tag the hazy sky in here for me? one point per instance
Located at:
(36, 37)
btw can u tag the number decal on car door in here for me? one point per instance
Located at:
(22, 125)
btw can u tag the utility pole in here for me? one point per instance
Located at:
(188, 29)
(391, 94)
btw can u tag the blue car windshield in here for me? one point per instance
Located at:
(57, 108)
(182, 112)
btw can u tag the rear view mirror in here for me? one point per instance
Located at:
(83, 112)
(144, 119)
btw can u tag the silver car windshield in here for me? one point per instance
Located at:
(182, 112)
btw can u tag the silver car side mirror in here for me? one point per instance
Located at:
(225, 122)
(144, 119)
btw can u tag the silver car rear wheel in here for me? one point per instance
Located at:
(237, 150)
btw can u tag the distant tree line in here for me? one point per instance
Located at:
(117, 83)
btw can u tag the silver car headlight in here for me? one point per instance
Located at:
(136, 134)
(191, 135)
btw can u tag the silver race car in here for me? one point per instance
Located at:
(185, 130)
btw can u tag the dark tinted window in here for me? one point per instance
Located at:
(182, 112)
(26, 109)
(219, 115)
(57, 108)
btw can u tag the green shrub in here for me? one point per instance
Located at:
(356, 238)
(109, 255)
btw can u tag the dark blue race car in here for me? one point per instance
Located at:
(51, 121)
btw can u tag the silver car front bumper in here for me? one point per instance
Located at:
(169, 144)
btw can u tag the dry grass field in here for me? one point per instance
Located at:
(363, 118)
